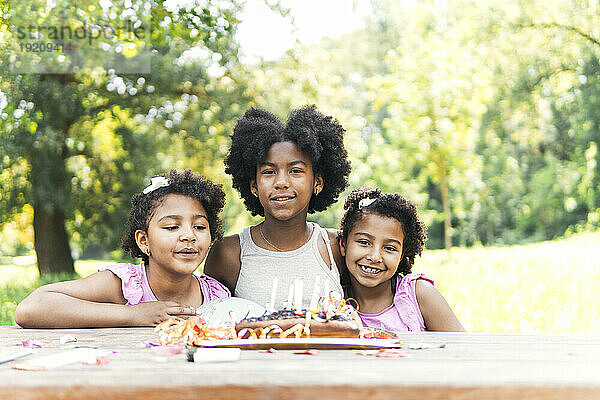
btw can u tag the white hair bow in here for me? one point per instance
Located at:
(155, 183)
(365, 202)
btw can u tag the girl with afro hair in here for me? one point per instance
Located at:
(170, 227)
(283, 173)
(380, 236)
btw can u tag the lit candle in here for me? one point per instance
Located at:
(326, 302)
(273, 291)
(315, 294)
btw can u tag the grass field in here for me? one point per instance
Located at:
(542, 287)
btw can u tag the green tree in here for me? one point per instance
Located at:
(78, 137)
(482, 112)
(433, 94)
(537, 137)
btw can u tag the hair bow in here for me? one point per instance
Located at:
(155, 183)
(365, 202)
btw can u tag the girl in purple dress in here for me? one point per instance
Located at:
(171, 226)
(380, 236)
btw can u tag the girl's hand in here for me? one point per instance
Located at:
(154, 312)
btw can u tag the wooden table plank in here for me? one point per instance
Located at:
(470, 366)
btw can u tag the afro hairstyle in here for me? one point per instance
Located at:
(390, 205)
(318, 136)
(210, 195)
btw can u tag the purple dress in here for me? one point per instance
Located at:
(136, 289)
(404, 314)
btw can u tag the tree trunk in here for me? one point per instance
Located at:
(51, 198)
(51, 241)
(446, 206)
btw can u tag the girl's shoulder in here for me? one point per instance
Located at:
(333, 234)
(125, 271)
(413, 278)
(223, 260)
(406, 287)
(133, 281)
(226, 250)
(406, 300)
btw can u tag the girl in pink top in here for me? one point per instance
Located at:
(380, 236)
(171, 226)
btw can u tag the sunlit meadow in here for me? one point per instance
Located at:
(548, 286)
(542, 287)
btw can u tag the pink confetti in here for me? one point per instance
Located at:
(147, 343)
(32, 344)
(168, 350)
(391, 353)
(99, 361)
(271, 350)
(311, 352)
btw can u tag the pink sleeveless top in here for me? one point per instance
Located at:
(136, 289)
(404, 314)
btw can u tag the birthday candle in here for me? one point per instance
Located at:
(326, 302)
(315, 294)
(273, 291)
(298, 283)
(290, 296)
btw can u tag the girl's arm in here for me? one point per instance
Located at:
(335, 249)
(223, 261)
(94, 301)
(436, 312)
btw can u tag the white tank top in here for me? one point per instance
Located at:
(259, 266)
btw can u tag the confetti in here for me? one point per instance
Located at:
(56, 360)
(168, 350)
(99, 361)
(271, 350)
(146, 344)
(391, 353)
(366, 352)
(311, 352)
(67, 339)
(32, 344)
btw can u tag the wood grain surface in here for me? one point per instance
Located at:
(470, 366)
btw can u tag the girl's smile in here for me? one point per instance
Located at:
(369, 270)
(282, 199)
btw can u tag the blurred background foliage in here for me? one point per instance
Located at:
(485, 113)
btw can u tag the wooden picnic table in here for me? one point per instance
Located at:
(470, 366)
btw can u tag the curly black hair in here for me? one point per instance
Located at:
(210, 195)
(390, 205)
(318, 136)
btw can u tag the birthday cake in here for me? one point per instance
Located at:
(286, 323)
(327, 316)
(295, 323)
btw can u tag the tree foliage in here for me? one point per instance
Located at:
(79, 137)
(484, 113)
